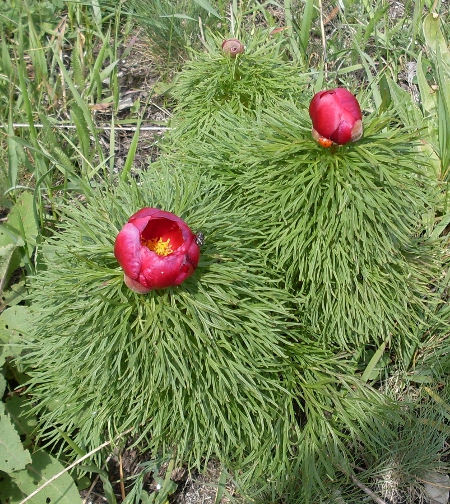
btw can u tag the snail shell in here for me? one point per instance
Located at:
(232, 47)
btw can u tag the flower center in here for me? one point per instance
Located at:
(158, 246)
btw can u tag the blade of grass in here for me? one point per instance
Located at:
(40, 167)
(208, 7)
(439, 401)
(13, 161)
(374, 360)
(298, 51)
(134, 143)
(221, 486)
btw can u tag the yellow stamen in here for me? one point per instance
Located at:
(159, 246)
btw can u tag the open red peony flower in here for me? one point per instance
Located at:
(156, 249)
(336, 116)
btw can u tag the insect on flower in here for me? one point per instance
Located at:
(199, 238)
(325, 142)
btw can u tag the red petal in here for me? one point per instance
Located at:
(326, 117)
(144, 212)
(159, 272)
(127, 250)
(164, 228)
(190, 263)
(135, 286)
(343, 134)
(349, 103)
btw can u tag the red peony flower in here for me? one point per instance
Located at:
(156, 249)
(336, 116)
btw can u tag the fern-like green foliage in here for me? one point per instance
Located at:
(345, 227)
(213, 81)
(215, 367)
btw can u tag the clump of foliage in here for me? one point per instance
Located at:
(346, 227)
(212, 81)
(218, 366)
(308, 352)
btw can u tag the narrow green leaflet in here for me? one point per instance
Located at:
(43, 467)
(12, 455)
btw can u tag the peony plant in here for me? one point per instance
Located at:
(216, 367)
(308, 254)
(344, 232)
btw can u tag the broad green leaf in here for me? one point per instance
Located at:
(9, 492)
(443, 77)
(41, 469)
(83, 483)
(7, 237)
(434, 37)
(14, 295)
(21, 221)
(13, 322)
(12, 455)
(9, 262)
(17, 407)
(379, 357)
(428, 97)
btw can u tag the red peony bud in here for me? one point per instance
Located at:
(336, 116)
(156, 249)
(232, 47)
